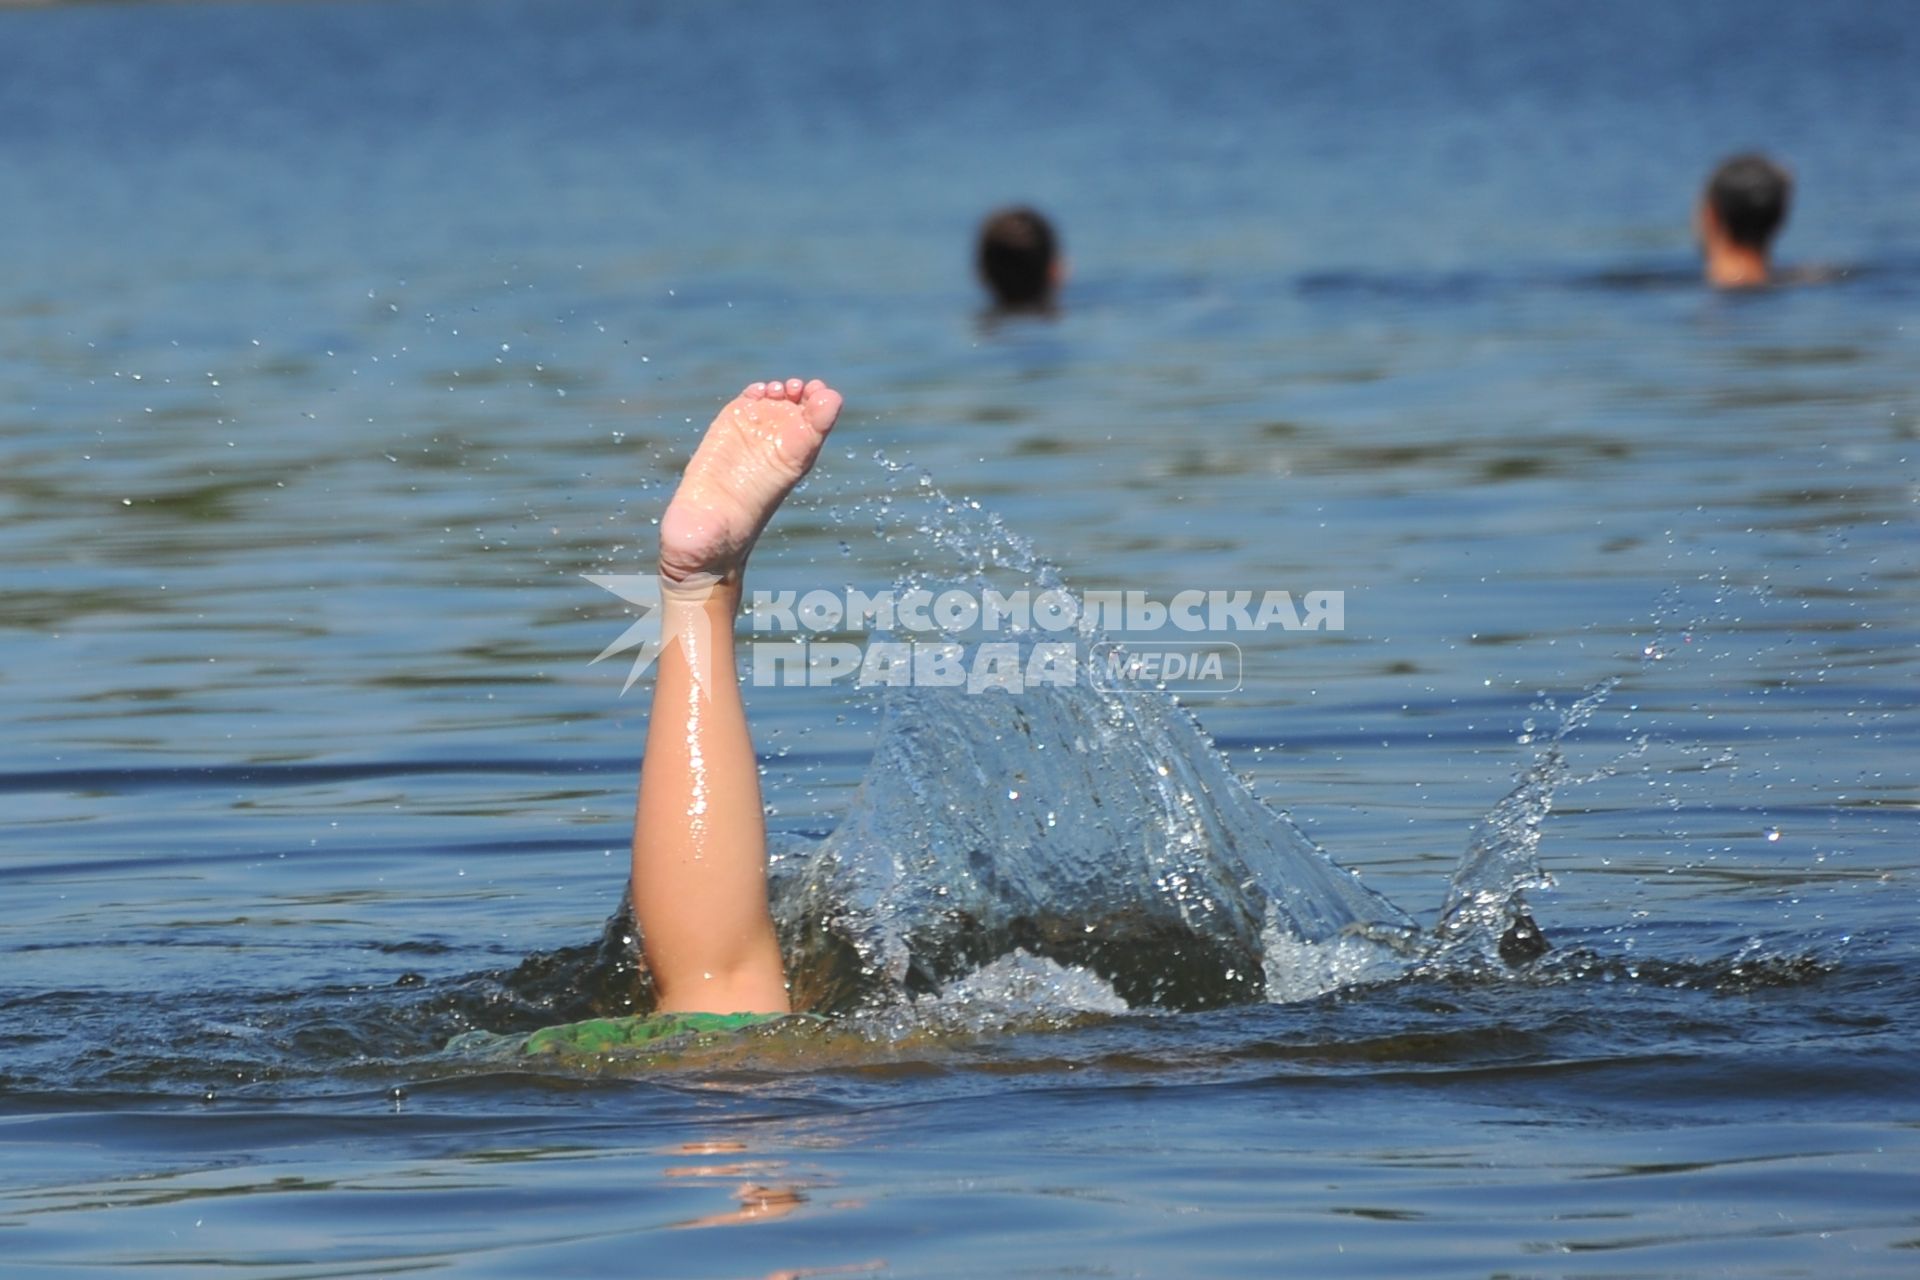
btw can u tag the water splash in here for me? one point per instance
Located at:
(1132, 851)
(1484, 905)
(1103, 832)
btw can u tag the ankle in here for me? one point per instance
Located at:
(704, 591)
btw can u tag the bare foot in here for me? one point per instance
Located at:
(760, 446)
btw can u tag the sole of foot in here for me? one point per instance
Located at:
(758, 448)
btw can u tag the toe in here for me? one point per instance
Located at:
(794, 389)
(821, 406)
(755, 390)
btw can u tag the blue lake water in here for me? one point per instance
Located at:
(338, 340)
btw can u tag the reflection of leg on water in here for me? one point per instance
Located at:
(764, 1196)
(757, 1204)
(739, 1169)
(758, 1201)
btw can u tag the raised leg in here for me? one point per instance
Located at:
(700, 839)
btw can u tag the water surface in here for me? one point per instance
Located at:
(337, 341)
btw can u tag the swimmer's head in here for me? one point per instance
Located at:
(1741, 211)
(1019, 258)
(1748, 196)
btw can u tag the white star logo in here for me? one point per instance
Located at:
(641, 590)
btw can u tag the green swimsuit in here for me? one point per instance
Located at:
(605, 1035)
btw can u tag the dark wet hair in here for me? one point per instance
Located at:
(1749, 194)
(1016, 256)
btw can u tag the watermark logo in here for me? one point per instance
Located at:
(1121, 641)
(642, 590)
(1176, 667)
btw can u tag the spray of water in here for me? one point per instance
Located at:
(1100, 831)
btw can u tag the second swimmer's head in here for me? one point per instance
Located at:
(1019, 258)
